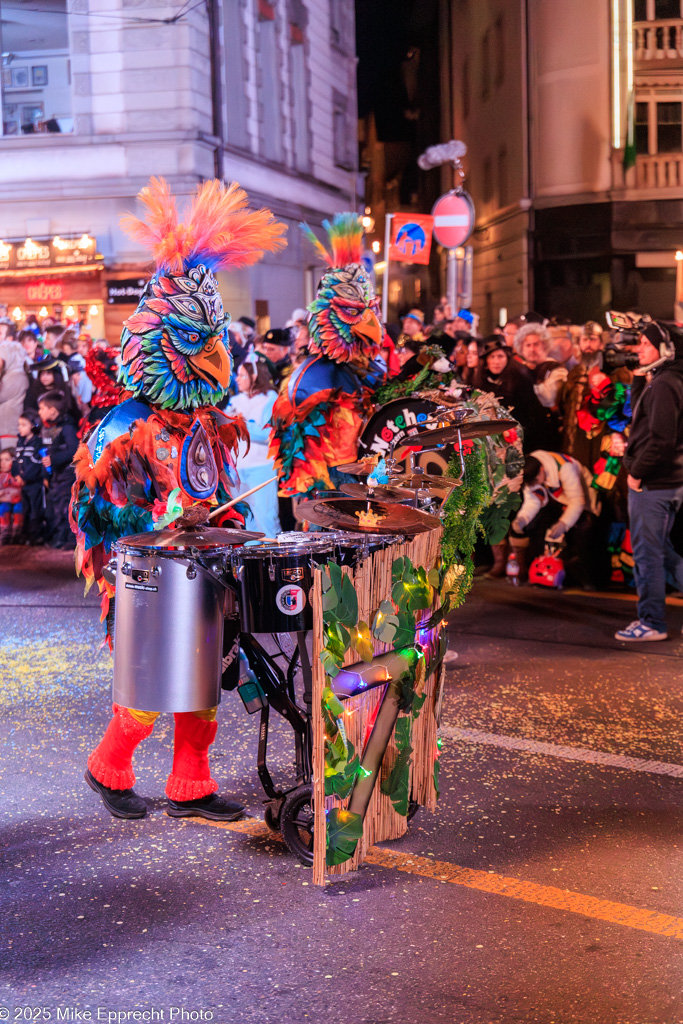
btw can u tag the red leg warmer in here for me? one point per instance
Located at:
(190, 776)
(111, 762)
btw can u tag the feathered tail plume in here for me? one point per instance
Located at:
(219, 230)
(346, 240)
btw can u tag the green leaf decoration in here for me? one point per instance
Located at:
(330, 599)
(332, 703)
(329, 663)
(405, 630)
(344, 829)
(361, 641)
(396, 786)
(341, 783)
(347, 611)
(434, 579)
(418, 701)
(385, 623)
(437, 765)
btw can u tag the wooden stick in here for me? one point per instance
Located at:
(239, 497)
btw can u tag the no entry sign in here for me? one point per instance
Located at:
(453, 217)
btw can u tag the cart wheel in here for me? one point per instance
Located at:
(272, 818)
(296, 823)
(413, 808)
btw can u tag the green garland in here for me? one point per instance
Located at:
(413, 590)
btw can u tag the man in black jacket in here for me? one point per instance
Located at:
(654, 461)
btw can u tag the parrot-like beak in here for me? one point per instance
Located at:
(369, 328)
(212, 363)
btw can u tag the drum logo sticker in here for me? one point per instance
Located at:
(293, 575)
(290, 600)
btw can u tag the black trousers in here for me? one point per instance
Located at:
(33, 502)
(57, 501)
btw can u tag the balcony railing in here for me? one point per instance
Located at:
(658, 40)
(663, 170)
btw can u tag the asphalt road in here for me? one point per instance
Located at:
(548, 887)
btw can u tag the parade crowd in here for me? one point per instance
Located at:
(567, 385)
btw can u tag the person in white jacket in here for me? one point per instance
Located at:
(254, 400)
(555, 502)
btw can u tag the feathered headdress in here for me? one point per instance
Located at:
(346, 240)
(219, 230)
(344, 322)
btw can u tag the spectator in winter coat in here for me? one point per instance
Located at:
(502, 376)
(28, 468)
(533, 343)
(654, 462)
(60, 442)
(13, 385)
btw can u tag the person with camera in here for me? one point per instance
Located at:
(654, 463)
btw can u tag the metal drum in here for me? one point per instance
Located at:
(274, 581)
(168, 638)
(352, 548)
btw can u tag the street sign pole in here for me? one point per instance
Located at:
(452, 281)
(385, 277)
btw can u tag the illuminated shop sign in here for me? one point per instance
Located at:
(36, 253)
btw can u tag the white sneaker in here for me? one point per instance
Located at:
(637, 630)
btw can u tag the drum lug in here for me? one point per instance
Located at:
(238, 572)
(271, 572)
(156, 570)
(126, 569)
(191, 572)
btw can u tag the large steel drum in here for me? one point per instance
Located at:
(168, 636)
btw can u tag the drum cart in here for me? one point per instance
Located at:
(289, 811)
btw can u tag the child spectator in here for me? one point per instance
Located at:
(51, 375)
(27, 467)
(60, 442)
(11, 518)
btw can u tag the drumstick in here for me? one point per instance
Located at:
(239, 497)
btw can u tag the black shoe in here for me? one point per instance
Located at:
(213, 807)
(122, 803)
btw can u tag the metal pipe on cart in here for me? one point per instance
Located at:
(385, 276)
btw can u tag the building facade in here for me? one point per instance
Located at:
(96, 100)
(571, 110)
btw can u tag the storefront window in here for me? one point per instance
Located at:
(36, 71)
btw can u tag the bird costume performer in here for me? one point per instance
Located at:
(167, 448)
(319, 414)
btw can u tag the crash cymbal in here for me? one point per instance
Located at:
(360, 468)
(366, 516)
(468, 430)
(382, 492)
(425, 484)
(201, 538)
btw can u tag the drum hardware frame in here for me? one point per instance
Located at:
(278, 690)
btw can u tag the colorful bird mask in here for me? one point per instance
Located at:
(345, 324)
(174, 348)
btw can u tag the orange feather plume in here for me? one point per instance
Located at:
(219, 229)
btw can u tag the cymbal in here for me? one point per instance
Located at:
(383, 492)
(202, 538)
(424, 483)
(360, 468)
(468, 430)
(367, 516)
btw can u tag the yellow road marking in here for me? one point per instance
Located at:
(530, 892)
(499, 885)
(608, 595)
